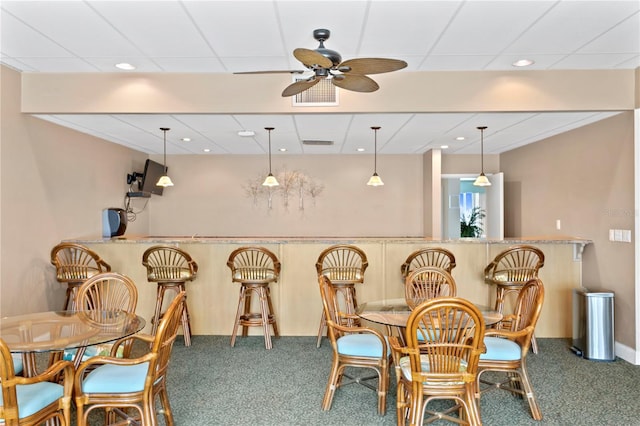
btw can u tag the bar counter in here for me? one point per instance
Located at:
(213, 298)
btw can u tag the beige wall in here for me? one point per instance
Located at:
(585, 179)
(209, 197)
(54, 183)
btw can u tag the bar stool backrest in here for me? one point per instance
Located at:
(342, 264)
(253, 265)
(168, 264)
(75, 263)
(516, 265)
(430, 256)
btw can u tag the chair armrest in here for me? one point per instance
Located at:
(147, 338)
(194, 267)
(507, 334)
(100, 360)
(488, 269)
(49, 375)
(344, 315)
(104, 265)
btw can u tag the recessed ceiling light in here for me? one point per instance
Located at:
(206, 150)
(360, 149)
(246, 133)
(460, 138)
(282, 149)
(523, 63)
(444, 146)
(186, 139)
(125, 66)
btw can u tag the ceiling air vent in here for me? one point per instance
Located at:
(323, 93)
(315, 142)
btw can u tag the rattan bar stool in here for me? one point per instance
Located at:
(510, 271)
(254, 268)
(344, 265)
(170, 268)
(75, 264)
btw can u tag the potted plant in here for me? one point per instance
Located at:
(471, 226)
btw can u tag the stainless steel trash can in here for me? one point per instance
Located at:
(593, 315)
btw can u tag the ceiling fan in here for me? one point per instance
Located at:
(327, 63)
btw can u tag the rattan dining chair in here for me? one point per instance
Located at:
(134, 383)
(509, 272)
(30, 401)
(353, 346)
(344, 265)
(170, 268)
(430, 256)
(506, 349)
(426, 283)
(254, 268)
(439, 362)
(75, 264)
(105, 292)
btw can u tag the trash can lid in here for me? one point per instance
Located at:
(601, 293)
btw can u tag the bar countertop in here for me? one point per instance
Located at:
(159, 239)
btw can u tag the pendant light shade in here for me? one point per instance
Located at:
(271, 179)
(375, 180)
(165, 180)
(482, 180)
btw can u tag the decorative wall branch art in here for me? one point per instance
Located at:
(292, 183)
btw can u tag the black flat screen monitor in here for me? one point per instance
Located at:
(152, 172)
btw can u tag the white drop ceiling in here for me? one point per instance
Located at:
(234, 36)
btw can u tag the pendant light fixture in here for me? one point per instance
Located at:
(164, 180)
(375, 180)
(271, 179)
(482, 180)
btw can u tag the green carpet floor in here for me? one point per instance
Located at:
(211, 383)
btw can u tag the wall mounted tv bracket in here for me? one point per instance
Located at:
(133, 178)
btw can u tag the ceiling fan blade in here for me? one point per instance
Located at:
(363, 66)
(357, 83)
(312, 59)
(272, 72)
(299, 86)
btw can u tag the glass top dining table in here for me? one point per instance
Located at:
(60, 330)
(395, 312)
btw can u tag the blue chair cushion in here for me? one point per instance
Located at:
(499, 349)
(367, 345)
(34, 397)
(17, 363)
(91, 351)
(111, 378)
(405, 366)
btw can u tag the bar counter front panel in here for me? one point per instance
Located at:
(213, 298)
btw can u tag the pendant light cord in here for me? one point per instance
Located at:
(165, 129)
(269, 129)
(481, 128)
(375, 148)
